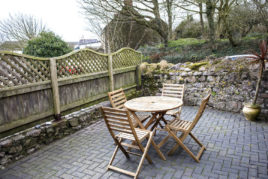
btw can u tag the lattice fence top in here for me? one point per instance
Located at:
(126, 57)
(80, 63)
(18, 69)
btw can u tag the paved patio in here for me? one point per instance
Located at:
(236, 148)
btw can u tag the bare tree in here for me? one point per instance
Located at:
(143, 12)
(262, 9)
(21, 28)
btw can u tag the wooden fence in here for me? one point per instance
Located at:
(33, 88)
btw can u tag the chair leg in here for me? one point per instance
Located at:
(145, 151)
(116, 150)
(158, 150)
(113, 156)
(142, 149)
(196, 140)
(196, 158)
(176, 146)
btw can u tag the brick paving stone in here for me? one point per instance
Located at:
(236, 148)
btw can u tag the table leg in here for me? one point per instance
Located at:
(138, 120)
(158, 119)
(151, 120)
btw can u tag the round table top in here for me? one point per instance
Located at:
(153, 104)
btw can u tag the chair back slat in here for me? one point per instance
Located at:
(173, 90)
(117, 98)
(200, 111)
(118, 120)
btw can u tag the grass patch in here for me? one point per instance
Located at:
(196, 66)
(185, 41)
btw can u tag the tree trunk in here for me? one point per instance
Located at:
(166, 41)
(201, 18)
(210, 10)
(169, 13)
(259, 81)
(229, 33)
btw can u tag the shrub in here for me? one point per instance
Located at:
(47, 44)
(188, 28)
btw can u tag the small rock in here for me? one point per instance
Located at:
(29, 151)
(6, 143)
(34, 133)
(73, 122)
(5, 160)
(183, 74)
(202, 68)
(18, 138)
(2, 154)
(15, 149)
(49, 130)
(187, 69)
(202, 78)
(197, 73)
(211, 78)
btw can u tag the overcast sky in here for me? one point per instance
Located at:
(63, 17)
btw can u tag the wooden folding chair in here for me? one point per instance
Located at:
(175, 91)
(185, 127)
(121, 128)
(118, 98)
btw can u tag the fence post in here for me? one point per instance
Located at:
(110, 71)
(138, 77)
(55, 89)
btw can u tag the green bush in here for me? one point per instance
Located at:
(47, 44)
(188, 28)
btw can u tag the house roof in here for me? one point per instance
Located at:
(87, 41)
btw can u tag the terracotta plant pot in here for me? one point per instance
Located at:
(251, 112)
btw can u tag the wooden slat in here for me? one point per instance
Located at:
(119, 103)
(122, 115)
(117, 122)
(4, 81)
(7, 76)
(117, 111)
(121, 130)
(134, 153)
(16, 68)
(121, 170)
(130, 145)
(120, 127)
(122, 98)
(117, 95)
(116, 118)
(33, 69)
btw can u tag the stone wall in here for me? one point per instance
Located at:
(232, 83)
(28, 141)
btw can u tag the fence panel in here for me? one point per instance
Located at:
(82, 77)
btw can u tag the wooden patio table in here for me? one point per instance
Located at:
(157, 105)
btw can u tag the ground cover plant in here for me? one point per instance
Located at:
(192, 49)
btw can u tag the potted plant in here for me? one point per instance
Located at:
(252, 110)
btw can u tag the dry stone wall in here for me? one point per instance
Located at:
(19, 145)
(232, 83)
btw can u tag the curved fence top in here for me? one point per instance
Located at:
(19, 69)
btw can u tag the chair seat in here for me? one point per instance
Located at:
(180, 125)
(141, 133)
(173, 112)
(142, 118)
